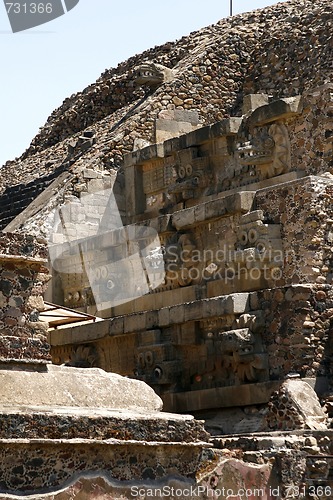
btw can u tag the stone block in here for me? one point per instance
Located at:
(75, 387)
(193, 310)
(244, 201)
(186, 116)
(150, 152)
(134, 322)
(171, 146)
(217, 208)
(221, 287)
(277, 110)
(229, 126)
(150, 337)
(214, 307)
(151, 319)
(238, 303)
(163, 316)
(254, 101)
(177, 314)
(199, 136)
(256, 215)
(88, 173)
(183, 218)
(117, 325)
(130, 159)
(82, 333)
(220, 397)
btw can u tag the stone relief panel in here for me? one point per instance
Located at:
(235, 352)
(175, 179)
(194, 175)
(157, 361)
(241, 251)
(266, 152)
(242, 247)
(219, 352)
(84, 356)
(229, 154)
(157, 176)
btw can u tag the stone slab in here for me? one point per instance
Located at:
(75, 387)
(256, 186)
(226, 127)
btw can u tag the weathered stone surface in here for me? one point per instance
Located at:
(34, 471)
(242, 207)
(295, 406)
(254, 101)
(23, 279)
(84, 388)
(229, 475)
(277, 110)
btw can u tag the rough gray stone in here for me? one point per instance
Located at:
(75, 387)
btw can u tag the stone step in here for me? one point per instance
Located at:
(16, 198)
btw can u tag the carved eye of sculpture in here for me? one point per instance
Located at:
(243, 237)
(189, 170)
(110, 285)
(182, 172)
(269, 142)
(149, 358)
(141, 360)
(252, 235)
(104, 272)
(158, 372)
(261, 247)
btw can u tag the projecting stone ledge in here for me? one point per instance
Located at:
(277, 110)
(240, 202)
(236, 303)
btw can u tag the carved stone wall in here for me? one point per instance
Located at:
(242, 211)
(245, 248)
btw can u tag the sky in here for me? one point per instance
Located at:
(42, 66)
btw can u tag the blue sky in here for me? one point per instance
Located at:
(42, 66)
